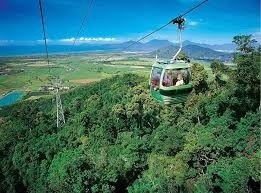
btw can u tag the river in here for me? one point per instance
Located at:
(10, 98)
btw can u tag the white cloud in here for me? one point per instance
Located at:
(64, 41)
(42, 41)
(193, 23)
(257, 36)
(68, 40)
(6, 42)
(83, 40)
(18, 42)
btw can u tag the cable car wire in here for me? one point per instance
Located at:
(85, 17)
(55, 83)
(171, 21)
(83, 21)
(182, 15)
(78, 33)
(43, 29)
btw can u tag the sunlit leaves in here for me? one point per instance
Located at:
(199, 78)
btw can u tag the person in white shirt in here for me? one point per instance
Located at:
(180, 80)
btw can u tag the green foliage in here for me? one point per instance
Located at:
(166, 140)
(66, 172)
(229, 175)
(199, 78)
(183, 56)
(248, 71)
(117, 139)
(218, 69)
(244, 43)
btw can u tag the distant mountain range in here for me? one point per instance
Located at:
(157, 44)
(163, 47)
(148, 47)
(193, 52)
(229, 47)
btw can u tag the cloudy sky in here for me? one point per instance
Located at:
(215, 22)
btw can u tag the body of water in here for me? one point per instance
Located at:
(15, 50)
(10, 98)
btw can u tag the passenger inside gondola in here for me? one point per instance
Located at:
(180, 80)
(168, 78)
(175, 78)
(155, 78)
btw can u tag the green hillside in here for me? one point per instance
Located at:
(193, 52)
(118, 139)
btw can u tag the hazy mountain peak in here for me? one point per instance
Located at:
(193, 52)
(159, 41)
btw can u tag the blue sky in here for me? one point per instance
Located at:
(215, 22)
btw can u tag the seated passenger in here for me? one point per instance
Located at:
(167, 81)
(155, 81)
(180, 80)
(168, 78)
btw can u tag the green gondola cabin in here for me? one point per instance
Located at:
(170, 83)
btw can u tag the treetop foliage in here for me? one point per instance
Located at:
(118, 139)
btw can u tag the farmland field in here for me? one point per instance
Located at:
(30, 73)
(33, 73)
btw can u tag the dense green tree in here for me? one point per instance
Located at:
(218, 68)
(183, 56)
(248, 72)
(117, 139)
(244, 43)
(68, 172)
(199, 78)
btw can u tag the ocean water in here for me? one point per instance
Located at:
(14, 50)
(10, 98)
